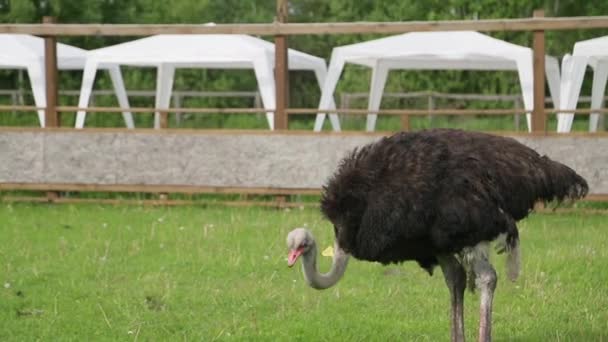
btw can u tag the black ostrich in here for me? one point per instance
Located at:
(438, 197)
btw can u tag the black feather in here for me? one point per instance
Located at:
(413, 196)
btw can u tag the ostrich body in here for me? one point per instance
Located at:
(437, 197)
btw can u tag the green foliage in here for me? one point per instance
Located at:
(304, 90)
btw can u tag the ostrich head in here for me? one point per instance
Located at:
(299, 241)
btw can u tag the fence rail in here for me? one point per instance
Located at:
(277, 28)
(346, 98)
(16, 93)
(301, 111)
(345, 103)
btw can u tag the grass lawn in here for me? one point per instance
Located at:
(93, 272)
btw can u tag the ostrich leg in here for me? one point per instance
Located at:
(455, 278)
(486, 283)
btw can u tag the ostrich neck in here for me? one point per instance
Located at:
(322, 281)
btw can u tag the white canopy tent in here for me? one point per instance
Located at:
(592, 52)
(212, 51)
(457, 50)
(22, 51)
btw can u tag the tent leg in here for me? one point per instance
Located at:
(379, 74)
(600, 76)
(164, 85)
(121, 94)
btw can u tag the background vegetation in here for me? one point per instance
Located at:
(304, 91)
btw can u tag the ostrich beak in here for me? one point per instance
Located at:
(293, 256)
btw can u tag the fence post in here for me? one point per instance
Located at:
(539, 116)
(14, 99)
(164, 120)
(516, 116)
(51, 117)
(281, 68)
(431, 106)
(177, 102)
(405, 122)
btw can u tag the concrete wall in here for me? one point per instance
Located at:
(250, 159)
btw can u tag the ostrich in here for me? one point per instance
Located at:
(437, 197)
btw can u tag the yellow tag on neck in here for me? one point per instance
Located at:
(328, 252)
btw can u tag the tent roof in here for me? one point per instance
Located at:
(211, 51)
(452, 50)
(592, 48)
(21, 50)
(429, 50)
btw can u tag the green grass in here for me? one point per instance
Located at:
(92, 272)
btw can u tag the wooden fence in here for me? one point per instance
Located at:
(221, 161)
(347, 100)
(281, 29)
(537, 24)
